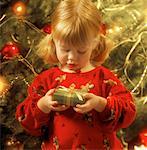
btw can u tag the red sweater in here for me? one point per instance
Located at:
(69, 129)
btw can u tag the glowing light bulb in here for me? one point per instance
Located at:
(19, 8)
(117, 28)
(110, 31)
(3, 85)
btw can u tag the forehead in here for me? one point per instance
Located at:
(64, 44)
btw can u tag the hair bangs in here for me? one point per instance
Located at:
(74, 33)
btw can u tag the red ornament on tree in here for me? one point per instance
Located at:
(47, 29)
(10, 50)
(143, 137)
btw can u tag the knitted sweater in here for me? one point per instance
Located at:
(69, 129)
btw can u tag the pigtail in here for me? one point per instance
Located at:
(46, 50)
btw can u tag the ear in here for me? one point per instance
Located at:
(103, 28)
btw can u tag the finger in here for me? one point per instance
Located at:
(87, 96)
(81, 106)
(63, 107)
(53, 108)
(59, 107)
(81, 111)
(54, 103)
(50, 92)
(77, 110)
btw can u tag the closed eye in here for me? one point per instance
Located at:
(82, 52)
(65, 50)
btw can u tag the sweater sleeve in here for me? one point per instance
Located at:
(120, 110)
(27, 113)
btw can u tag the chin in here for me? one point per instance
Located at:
(73, 70)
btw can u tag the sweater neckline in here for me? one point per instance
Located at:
(78, 72)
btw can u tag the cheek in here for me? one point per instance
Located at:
(85, 57)
(61, 56)
(83, 60)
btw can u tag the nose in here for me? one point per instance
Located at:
(72, 55)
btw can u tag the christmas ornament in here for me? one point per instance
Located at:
(4, 86)
(68, 96)
(13, 144)
(19, 8)
(143, 137)
(10, 50)
(47, 29)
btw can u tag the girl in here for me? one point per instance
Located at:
(78, 46)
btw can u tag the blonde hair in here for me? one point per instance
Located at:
(75, 22)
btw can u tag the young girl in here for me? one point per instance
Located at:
(78, 46)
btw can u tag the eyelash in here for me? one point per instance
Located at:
(81, 52)
(67, 50)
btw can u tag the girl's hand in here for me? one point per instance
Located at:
(59, 107)
(46, 104)
(92, 102)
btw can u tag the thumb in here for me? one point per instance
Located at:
(50, 92)
(88, 95)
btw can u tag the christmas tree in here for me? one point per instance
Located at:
(24, 23)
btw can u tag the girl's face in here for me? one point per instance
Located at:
(73, 59)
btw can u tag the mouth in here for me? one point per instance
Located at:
(72, 66)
